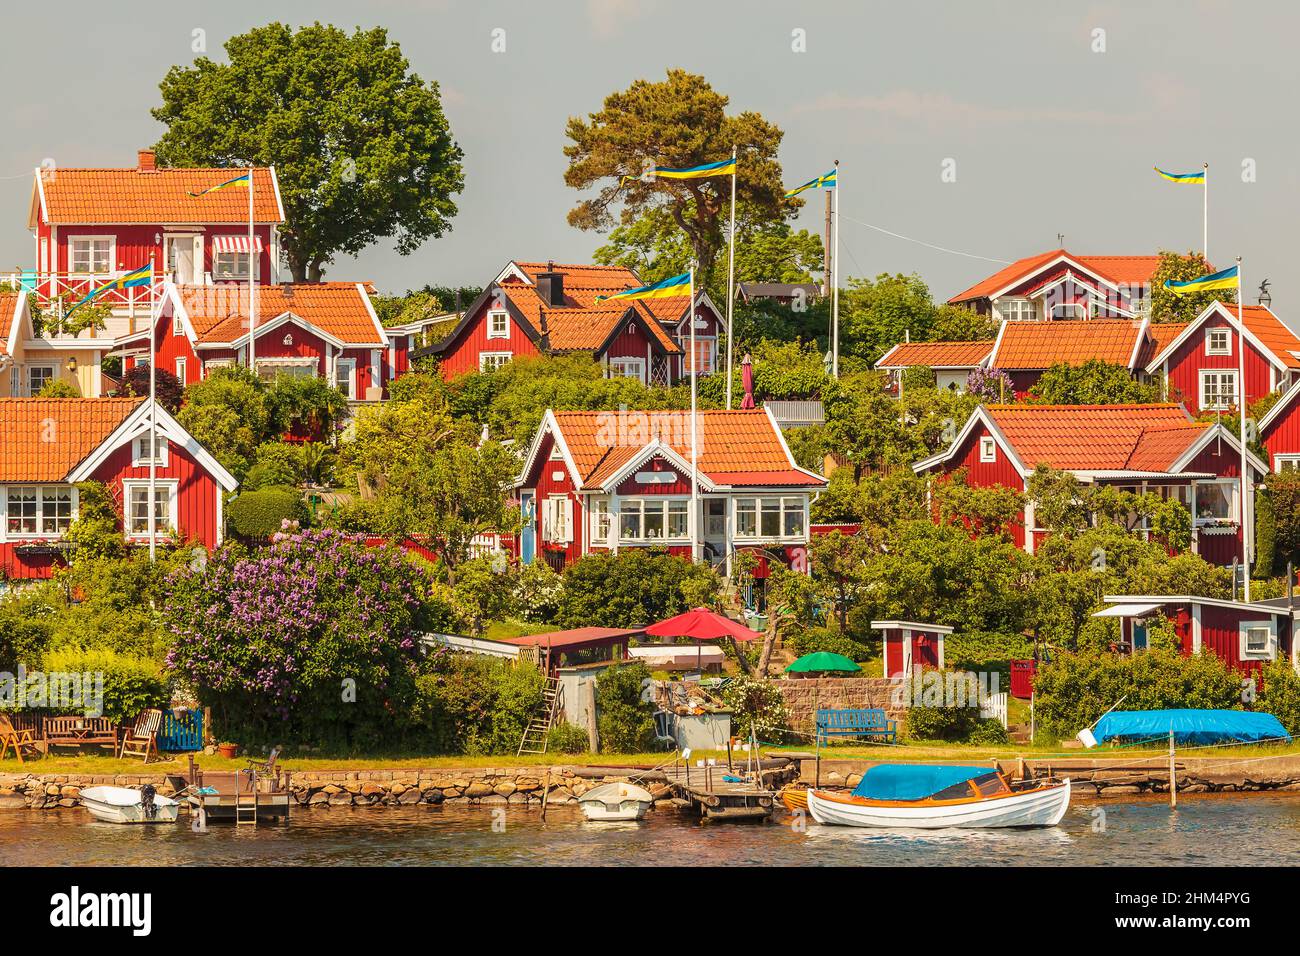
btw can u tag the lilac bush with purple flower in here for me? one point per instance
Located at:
(271, 639)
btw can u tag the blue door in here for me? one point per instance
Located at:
(528, 528)
(1139, 635)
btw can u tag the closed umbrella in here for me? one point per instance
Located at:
(747, 378)
(821, 661)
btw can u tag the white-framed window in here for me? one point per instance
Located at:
(178, 328)
(231, 265)
(1216, 502)
(180, 370)
(1218, 389)
(211, 365)
(91, 255)
(268, 370)
(498, 324)
(140, 454)
(1018, 309)
(706, 351)
(39, 510)
(135, 494)
(491, 361)
(988, 448)
(345, 371)
(37, 377)
(557, 512)
(627, 368)
(1283, 463)
(1218, 342)
(600, 520)
(1258, 640)
(654, 519)
(770, 518)
(715, 518)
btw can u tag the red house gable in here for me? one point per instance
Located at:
(1200, 362)
(48, 446)
(1062, 285)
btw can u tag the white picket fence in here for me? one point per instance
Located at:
(995, 705)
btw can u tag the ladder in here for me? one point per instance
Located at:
(246, 810)
(539, 725)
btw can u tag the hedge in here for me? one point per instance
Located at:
(261, 513)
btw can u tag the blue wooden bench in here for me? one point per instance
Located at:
(868, 723)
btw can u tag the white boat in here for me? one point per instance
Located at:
(125, 805)
(957, 797)
(616, 801)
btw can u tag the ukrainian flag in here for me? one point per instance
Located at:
(1195, 179)
(1227, 279)
(247, 177)
(140, 277)
(669, 288)
(726, 167)
(821, 182)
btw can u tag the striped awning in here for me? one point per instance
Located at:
(235, 244)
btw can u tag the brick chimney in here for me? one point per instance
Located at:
(550, 286)
(145, 162)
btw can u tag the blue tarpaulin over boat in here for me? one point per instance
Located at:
(913, 781)
(1189, 726)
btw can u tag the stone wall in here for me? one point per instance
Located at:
(804, 697)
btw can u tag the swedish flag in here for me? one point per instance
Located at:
(247, 177)
(140, 277)
(669, 288)
(1226, 279)
(1195, 179)
(821, 182)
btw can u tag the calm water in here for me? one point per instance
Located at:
(1205, 830)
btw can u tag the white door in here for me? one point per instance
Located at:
(180, 259)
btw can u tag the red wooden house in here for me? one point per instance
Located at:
(1141, 448)
(326, 330)
(536, 308)
(1279, 431)
(49, 445)
(1199, 359)
(1244, 635)
(1062, 285)
(951, 362)
(605, 481)
(1025, 350)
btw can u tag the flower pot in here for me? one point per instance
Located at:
(228, 750)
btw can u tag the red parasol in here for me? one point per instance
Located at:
(702, 624)
(747, 377)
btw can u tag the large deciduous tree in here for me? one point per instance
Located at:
(677, 123)
(1168, 306)
(360, 144)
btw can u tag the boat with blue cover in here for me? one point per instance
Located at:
(933, 796)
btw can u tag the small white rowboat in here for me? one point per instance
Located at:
(616, 801)
(981, 800)
(124, 805)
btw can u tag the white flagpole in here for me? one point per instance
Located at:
(252, 303)
(695, 484)
(1241, 411)
(835, 289)
(151, 508)
(1205, 216)
(731, 276)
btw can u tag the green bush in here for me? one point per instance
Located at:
(474, 705)
(1281, 694)
(97, 532)
(260, 514)
(624, 721)
(566, 738)
(276, 463)
(1076, 689)
(988, 731)
(814, 639)
(987, 652)
(928, 720)
(131, 684)
(633, 587)
(756, 705)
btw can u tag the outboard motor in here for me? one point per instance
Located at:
(147, 806)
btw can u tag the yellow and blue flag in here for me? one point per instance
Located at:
(826, 181)
(669, 288)
(1195, 179)
(246, 177)
(1225, 279)
(726, 167)
(140, 277)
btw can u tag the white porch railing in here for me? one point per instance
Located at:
(485, 545)
(50, 289)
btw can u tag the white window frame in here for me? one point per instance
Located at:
(988, 449)
(226, 265)
(492, 317)
(1018, 309)
(51, 367)
(1218, 406)
(600, 521)
(493, 359)
(166, 486)
(275, 364)
(181, 370)
(708, 347)
(110, 265)
(1211, 348)
(1283, 463)
(557, 513)
(665, 505)
(620, 367)
(788, 505)
(39, 515)
(1269, 651)
(139, 458)
(349, 377)
(1234, 502)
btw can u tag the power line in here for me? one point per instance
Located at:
(928, 245)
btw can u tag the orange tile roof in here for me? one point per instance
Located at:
(1128, 270)
(1040, 345)
(936, 355)
(118, 196)
(1270, 330)
(219, 313)
(735, 447)
(43, 439)
(8, 305)
(1159, 335)
(1097, 437)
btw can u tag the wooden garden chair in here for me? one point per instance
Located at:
(141, 738)
(19, 740)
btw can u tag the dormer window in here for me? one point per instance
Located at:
(1218, 342)
(140, 455)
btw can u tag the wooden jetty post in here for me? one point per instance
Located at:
(1173, 776)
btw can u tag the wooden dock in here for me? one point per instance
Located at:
(748, 795)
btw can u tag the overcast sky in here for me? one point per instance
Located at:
(1047, 135)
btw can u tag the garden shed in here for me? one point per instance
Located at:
(909, 644)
